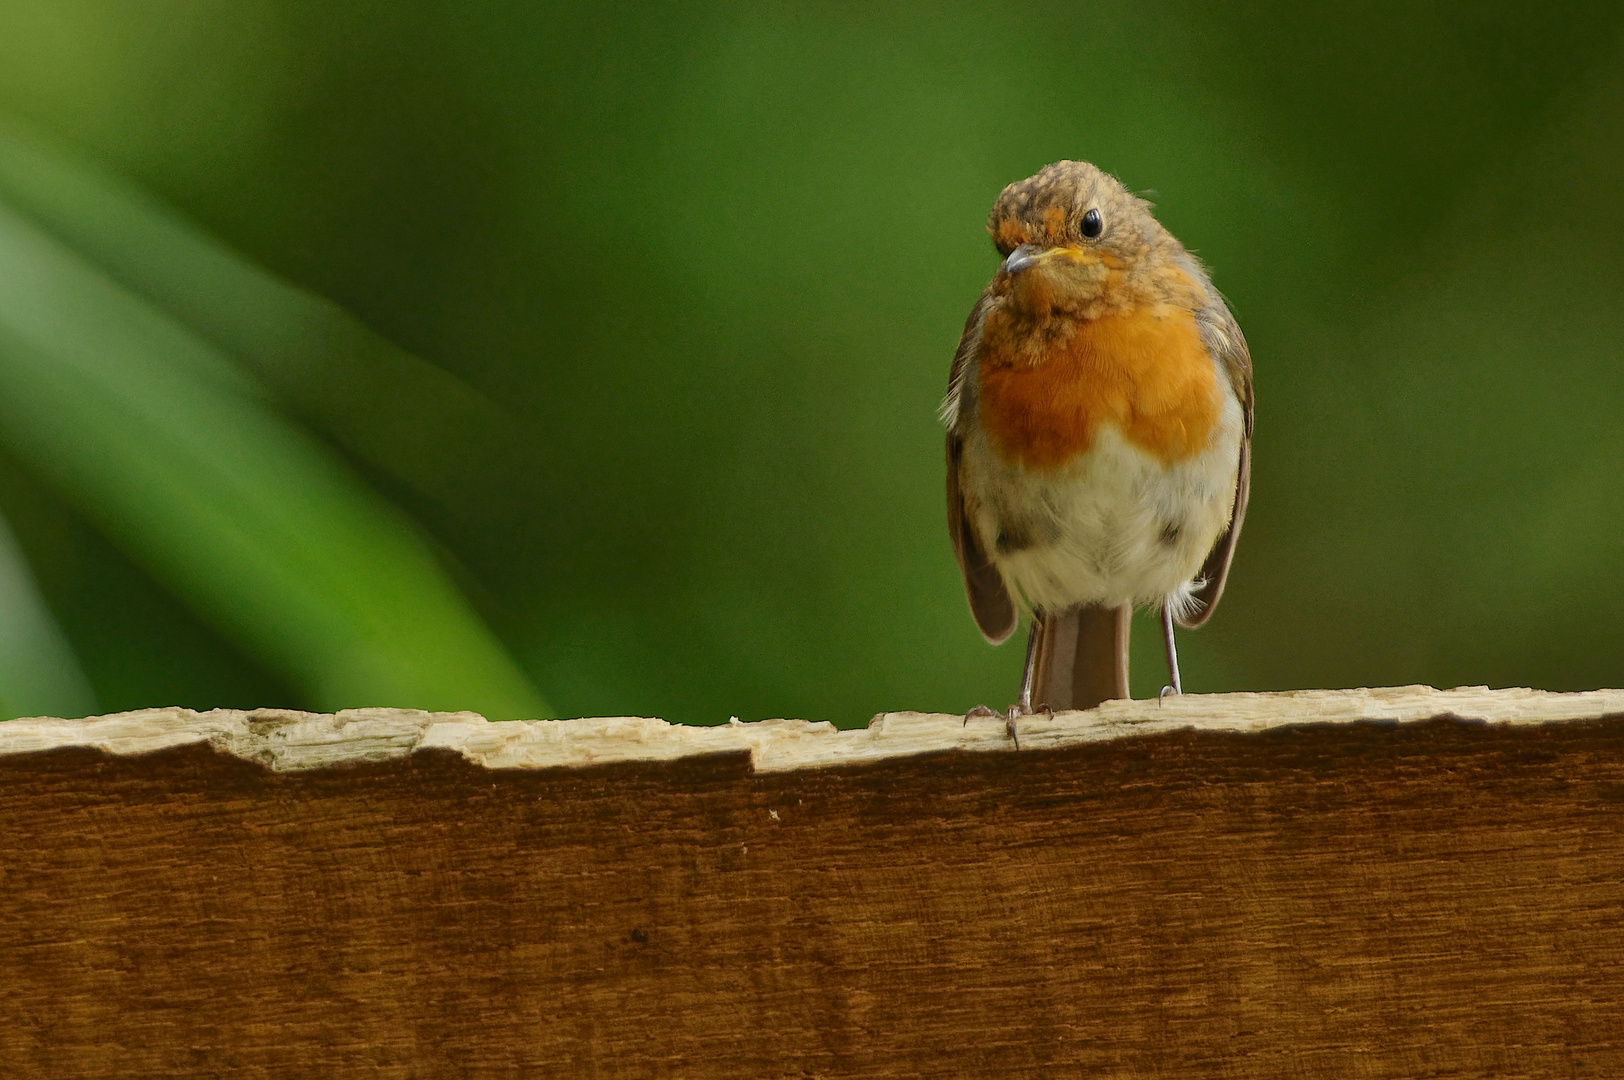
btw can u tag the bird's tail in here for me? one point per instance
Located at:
(1080, 657)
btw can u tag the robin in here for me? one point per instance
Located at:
(1099, 430)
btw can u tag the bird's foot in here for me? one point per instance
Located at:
(1016, 712)
(1167, 690)
(1009, 717)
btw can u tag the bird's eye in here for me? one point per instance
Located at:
(1092, 224)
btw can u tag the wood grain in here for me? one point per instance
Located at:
(1363, 899)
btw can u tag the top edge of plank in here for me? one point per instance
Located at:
(287, 741)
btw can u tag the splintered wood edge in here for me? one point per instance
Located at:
(285, 740)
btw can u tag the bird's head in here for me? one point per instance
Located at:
(1069, 236)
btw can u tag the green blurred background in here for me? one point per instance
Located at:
(550, 359)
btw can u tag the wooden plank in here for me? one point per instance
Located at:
(1214, 894)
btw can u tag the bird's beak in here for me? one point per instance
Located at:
(1023, 257)
(1029, 255)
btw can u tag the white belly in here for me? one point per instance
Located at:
(1114, 527)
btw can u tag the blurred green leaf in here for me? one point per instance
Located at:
(158, 439)
(39, 675)
(416, 421)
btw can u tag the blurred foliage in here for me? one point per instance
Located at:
(652, 308)
(162, 443)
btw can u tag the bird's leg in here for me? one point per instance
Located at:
(1172, 655)
(1023, 704)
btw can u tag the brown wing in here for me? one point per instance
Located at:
(1224, 340)
(990, 601)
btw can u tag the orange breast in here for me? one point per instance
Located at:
(1146, 372)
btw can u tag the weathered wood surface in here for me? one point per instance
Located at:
(1191, 891)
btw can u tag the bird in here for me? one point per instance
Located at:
(1099, 436)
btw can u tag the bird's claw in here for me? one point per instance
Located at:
(1165, 691)
(980, 712)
